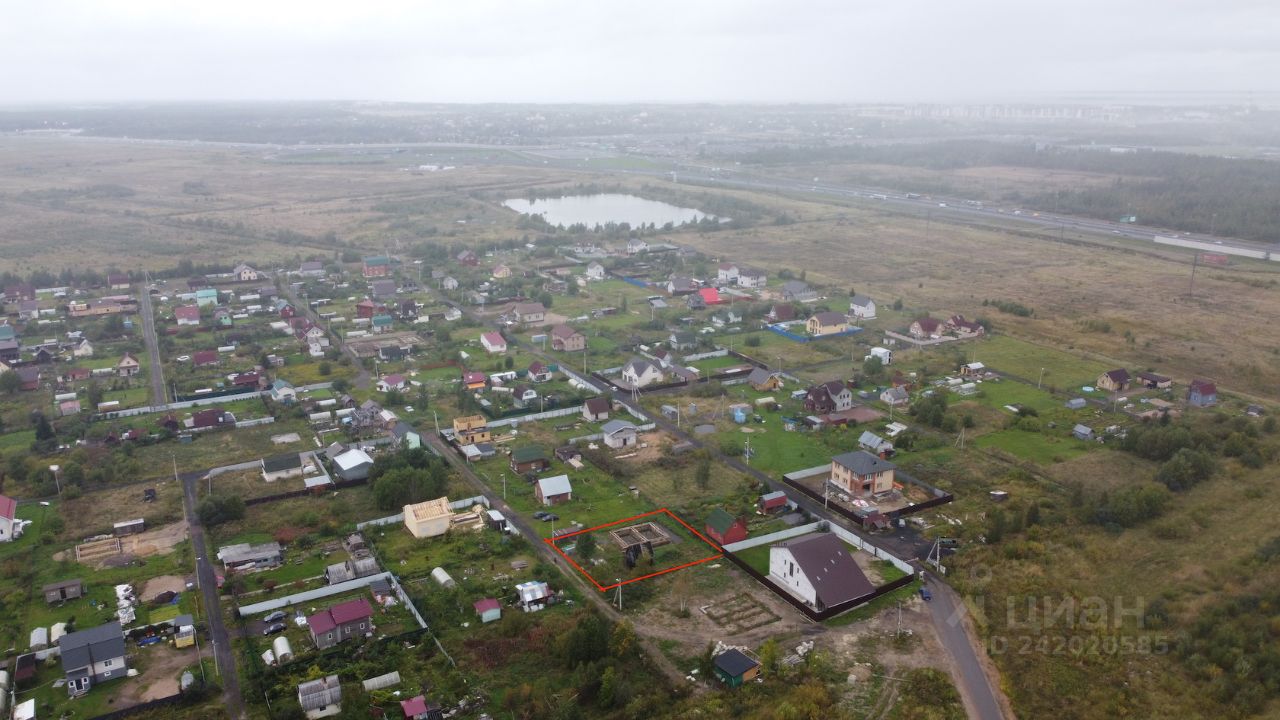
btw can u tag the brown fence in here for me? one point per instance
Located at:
(809, 612)
(143, 707)
(337, 485)
(840, 510)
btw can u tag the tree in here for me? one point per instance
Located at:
(393, 398)
(769, 655)
(10, 383)
(407, 485)
(508, 362)
(702, 476)
(623, 639)
(218, 509)
(586, 546)
(872, 367)
(324, 369)
(1187, 467)
(94, 393)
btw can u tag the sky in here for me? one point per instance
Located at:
(675, 51)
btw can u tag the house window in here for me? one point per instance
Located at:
(792, 571)
(329, 636)
(106, 663)
(361, 626)
(106, 673)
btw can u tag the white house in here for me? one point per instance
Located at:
(641, 373)
(8, 517)
(595, 271)
(83, 350)
(392, 382)
(752, 278)
(636, 246)
(895, 396)
(619, 434)
(861, 306)
(282, 391)
(553, 490)
(727, 273)
(819, 570)
(493, 342)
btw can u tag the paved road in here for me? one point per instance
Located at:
(223, 653)
(153, 345)
(948, 611)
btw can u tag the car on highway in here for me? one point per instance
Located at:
(925, 594)
(273, 628)
(274, 617)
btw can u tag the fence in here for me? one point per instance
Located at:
(810, 338)
(254, 422)
(142, 707)
(703, 356)
(377, 522)
(941, 497)
(309, 595)
(775, 536)
(600, 436)
(826, 613)
(1215, 248)
(304, 492)
(516, 419)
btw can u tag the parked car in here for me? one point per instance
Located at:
(540, 515)
(274, 617)
(947, 542)
(274, 628)
(549, 517)
(924, 593)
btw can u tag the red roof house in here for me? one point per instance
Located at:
(710, 296)
(204, 357)
(725, 528)
(344, 620)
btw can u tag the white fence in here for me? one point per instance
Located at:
(874, 550)
(255, 422)
(600, 436)
(388, 520)
(516, 420)
(703, 356)
(309, 595)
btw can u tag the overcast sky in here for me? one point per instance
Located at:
(643, 50)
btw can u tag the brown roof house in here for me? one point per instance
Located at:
(128, 366)
(331, 626)
(925, 327)
(1114, 380)
(819, 570)
(861, 474)
(596, 409)
(567, 339)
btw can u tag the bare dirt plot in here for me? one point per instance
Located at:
(160, 667)
(164, 583)
(94, 512)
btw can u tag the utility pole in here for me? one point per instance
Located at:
(1195, 260)
(1041, 380)
(619, 581)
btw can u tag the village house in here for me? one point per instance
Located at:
(21, 291)
(553, 490)
(62, 591)
(311, 268)
(727, 274)
(187, 315)
(428, 519)
(420, 708)
(958, 324)
(448, 283)
(764, 380)
(1202, 393)
(1082, 432)
(244, 273)
(93, 656)
(798, 291)
(529, 313)
(471, 429)
(285, 309)
(875, 444)
(862, 474)
(827, 323)
(466, 257)
(635, 246)
(493, 342)
(475, 380)
(523, 396)
(1152, 381)
(596, 409)
(1114, 380)
(501, 272)
(382, 288)
(641, 373)
(282, 391)
(407, 309)
(381, 324)
(681, 286)
(619, 434)
(8, 518)
(209, 419)
(925, 328)
(321, 697)
(222, 317)
(128, 366)
(752, 278)
(116, 281)
(353, 464)
(782, 312)
(862, 307)
(828, 397)
(819, 570)
(82, 349)
(204, 358)
(679, 340)
(734, 668)
(725, 528)
(708, 296)
(776, 501)
(595, 271)
(567, 339)
(895, 396)
(392, 382)
(538, 372)
(489, 609)
(343, 621)
(368, 308)
(376, 266)
(206, 297)
(529, 458)
(973, 370)
(279, 467)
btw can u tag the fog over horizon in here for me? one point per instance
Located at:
(569, 51)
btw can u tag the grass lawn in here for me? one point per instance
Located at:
(1044, 448)
(223, 447)
(1062, 370)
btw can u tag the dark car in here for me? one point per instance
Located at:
(549, 517)
(274, 617)
(274, 628)
(948, 542)
(924, 593)
(540, 515)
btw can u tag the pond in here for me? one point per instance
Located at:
(605, 208)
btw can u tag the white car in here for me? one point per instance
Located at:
(183, 358)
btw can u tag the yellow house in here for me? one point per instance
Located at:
(827, 323)
(428, 519)
(471, 429)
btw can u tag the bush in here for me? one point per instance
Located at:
(218, 509)
(1186, 468)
